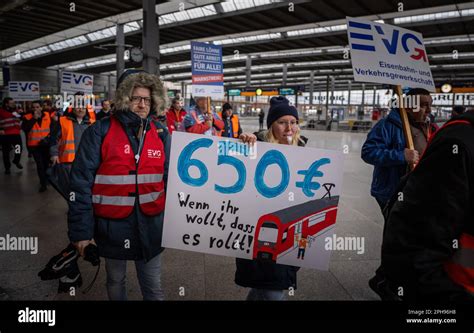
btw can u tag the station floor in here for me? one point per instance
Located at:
(25, 212)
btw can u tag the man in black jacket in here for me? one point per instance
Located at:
(105, 112)
(118, 184)
(428, 243)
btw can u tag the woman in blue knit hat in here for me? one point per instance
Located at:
(267, 280)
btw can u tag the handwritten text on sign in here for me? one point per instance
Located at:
(267, 202)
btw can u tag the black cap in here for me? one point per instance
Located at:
(127, 73)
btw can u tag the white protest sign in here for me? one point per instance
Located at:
(383, 53)
(24, 90)
(77, 82)
(264, 202)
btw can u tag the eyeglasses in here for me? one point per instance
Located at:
(293, 123)
(139, 99)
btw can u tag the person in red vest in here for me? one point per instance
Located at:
(428, 241)
(175, 115)
(232, 128)
(118, 179)
(10, 134)
(36, 126)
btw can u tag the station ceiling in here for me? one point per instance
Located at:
(305, 35)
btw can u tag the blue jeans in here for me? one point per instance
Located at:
(265, 295)
(149, 278)
(301, 253)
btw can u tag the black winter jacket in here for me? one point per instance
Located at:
(134, 238)
(437, 207)
(261, 274)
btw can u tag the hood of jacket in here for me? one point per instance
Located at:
(124, 92)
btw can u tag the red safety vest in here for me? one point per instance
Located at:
(37, 132)
(9, 123)
(119, 181)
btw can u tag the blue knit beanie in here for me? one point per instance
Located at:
(279, 107)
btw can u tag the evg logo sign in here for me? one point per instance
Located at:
(23, 86)
(77, 78)
(366, 35)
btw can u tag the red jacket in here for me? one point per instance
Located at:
(194, 123)
(9, 123)
(173, 118)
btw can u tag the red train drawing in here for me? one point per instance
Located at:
(275, 232)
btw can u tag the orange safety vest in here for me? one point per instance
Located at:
(460, 267)
(67, 149)
(91, 112)
(235, 125)
(37, 132)
(120, 181)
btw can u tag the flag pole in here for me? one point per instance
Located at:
(405, 123)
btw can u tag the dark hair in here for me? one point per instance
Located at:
(176, 99)
(6, 100)
(226, 107)
(105, 100)
(36, 101)
(418, 91)
(47, 102)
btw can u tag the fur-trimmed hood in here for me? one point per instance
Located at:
(132, 81)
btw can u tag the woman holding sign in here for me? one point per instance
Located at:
(268, 280)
